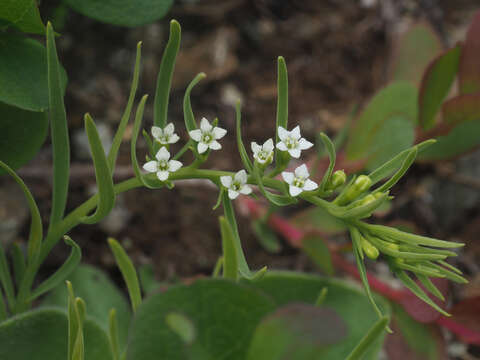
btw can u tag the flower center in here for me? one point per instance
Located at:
(163, 165)
(263, 154)
(298, 182)
(207, 138)
(236, 186)
(291, 143)
(164, 139)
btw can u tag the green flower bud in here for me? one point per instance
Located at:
(338, 179)
(392, 246)
(361, 184)
(367, 200)
(369, 250)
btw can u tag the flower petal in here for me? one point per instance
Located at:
(162, 175)
(162, 154)
(288, 177)
(195, 134)
(215, 145)
(281, 146)
(202, 147)
(173, 139)
(218, 132)
(295, 133)
(245, 190)
(232, 194)
(302, 171)
(241, 176)
(304, 144)
(151, 166)
(205, 125)
(255, 147)
(174, 165)
(294, 190)
(268, 145)
(295, 153)
(310, 185)
(157, 132)
(282, 133)
(169, 129)
(226, 181)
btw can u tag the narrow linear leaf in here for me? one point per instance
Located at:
(403, 254)
(117, 140)
(417, 290)
(148, 140)
(18, 262)
(188, 116)
(450, 275)
(370, 337)
(72, 320)
(330, 147)
(420, 270)
(230, 263)
(113, 334)
(282, 109)
(412, 154)
(3, 307)
(241, 147)
(6, 279)
(36, 228)
(59, 132)
(62, 273)
(218, 267)
(79, 347)
(430, 286)
(128, 272)
(164, 80)
(103, 176)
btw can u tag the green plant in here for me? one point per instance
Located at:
(239, 313)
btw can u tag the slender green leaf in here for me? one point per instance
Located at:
(188, 116)
(430, 286)
(164, 80)
(148, 140)
(59, 132)
(18, 262)
(36, 228)
(370, 337)
(450, 275)
(241, 148)
(62, 273)
(403, 254)
(23, 14)
(218, 267)
(113, 334)
(230, 264)
(282, 110)
(117, 140)
(6, 279)
(79, 346)
(106, 194)
(330, 147)
(72, 319)
(412, 154)
(128, 272)
(3, 307)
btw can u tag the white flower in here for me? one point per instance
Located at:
(292, 141)
(236, 184)
(163, 167)
(263, 154)
(166, 135)
(299, 181)
(207, 136)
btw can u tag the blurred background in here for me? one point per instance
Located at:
(338, 53)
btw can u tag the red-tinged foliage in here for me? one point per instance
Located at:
(465, 322)
(469, 68)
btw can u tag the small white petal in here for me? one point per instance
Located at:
(255, 147)
(294, 190)
(295, 153)
(215, 145)
(245, 190)
(162, 175)
(163, 154)
(226, 181)
(261, 161)
(169, 129)
(281, 146)
(196, 134)
(302, 171)
(174, 165)
(205, 125)
(241, 176)
(218, 133)
(202, 147)
(288, 177)
(310, 185)
(173, 139)
(151, 166)
(268, 145)
(282, 133)
(156, 132)
(304, 144)
(232, 194)
(295, 133)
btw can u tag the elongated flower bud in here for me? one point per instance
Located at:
(369, 250)
(361, 184)
(338, 179)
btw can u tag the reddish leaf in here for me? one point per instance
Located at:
(436, 83)
(469, 69)
(466, 316)
(461, 108)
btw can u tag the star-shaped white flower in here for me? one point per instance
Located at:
(299, 181)
(207, 136)
(236, 184)
(263, 154)
(163, 166)
(292, 141)
(166, 135)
